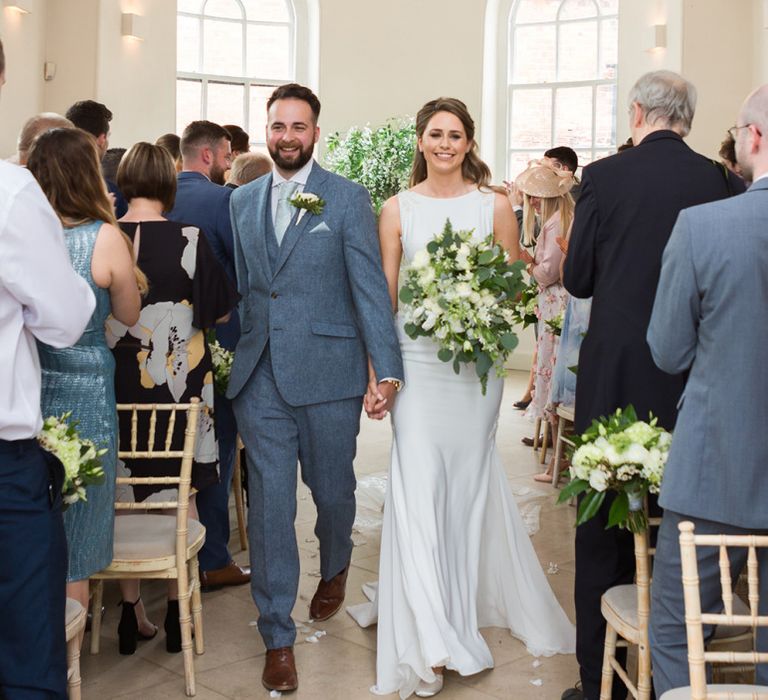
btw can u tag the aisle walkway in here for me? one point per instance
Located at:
(341, 664)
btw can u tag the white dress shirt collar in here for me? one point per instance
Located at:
(301, 176)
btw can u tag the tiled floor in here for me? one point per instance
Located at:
(342, 663)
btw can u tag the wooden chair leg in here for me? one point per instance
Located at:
(644, 672)
(73, 668)
(609, 652)
(197, 606)
(536, 431)
(185, 622)
(544, 441)
(558, 451)
(96, 603)
(237, 488)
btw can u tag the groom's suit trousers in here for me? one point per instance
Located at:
(322, 437)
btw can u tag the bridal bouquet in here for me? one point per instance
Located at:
(462, 294)
(525, 308)
(622, 454)
(81, 459)
(222, 360)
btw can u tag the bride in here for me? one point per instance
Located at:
(455, 555)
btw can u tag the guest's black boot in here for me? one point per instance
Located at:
(172, 628)
(128, 629)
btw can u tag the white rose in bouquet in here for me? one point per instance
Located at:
(598, 480)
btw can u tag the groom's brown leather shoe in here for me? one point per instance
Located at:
(280, 670)
(329, 597)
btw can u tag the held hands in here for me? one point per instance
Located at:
(379, 398)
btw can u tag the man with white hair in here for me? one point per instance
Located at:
(33, 127)
(714, 277)
(625, 213)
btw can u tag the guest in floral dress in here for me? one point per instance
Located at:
(546, 198)
(164, 358)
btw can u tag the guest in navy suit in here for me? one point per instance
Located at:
(624, 216)
(203, 201)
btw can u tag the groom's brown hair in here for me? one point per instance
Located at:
(294, 91)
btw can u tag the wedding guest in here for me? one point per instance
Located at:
(624, 216)
(247, 167)
(94, 118)
(110, 163)
(455, 555)
(241, 142)
(171, 143)
(203, 202)
(81, 379)
(713, 274)
(727, 155)
(188, 286)
(33, 127)
(41, 299)
(565, 158)
(547, 201)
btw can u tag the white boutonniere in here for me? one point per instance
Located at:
(307, 202)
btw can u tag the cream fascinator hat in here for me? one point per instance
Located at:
(542, 180)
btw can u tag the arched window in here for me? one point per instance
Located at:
(230, 56)
(561, 79)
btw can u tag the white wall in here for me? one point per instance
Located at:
(23, 39)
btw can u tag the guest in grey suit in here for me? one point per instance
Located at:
(315, 310)
(708, 320)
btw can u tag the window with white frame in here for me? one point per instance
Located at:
(230, 56)
(561, 79)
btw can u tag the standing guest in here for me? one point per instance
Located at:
(624, 216)
(110, 163)
(172, 144)
(316, 309)
(248, 167)
(203, 202)
(727, 155)
(241, 142)
(81, 379)
(565, 158)
(164, 358)
(548, 203)
(709, 289)
(33, 127)
(94, 118)
(41, 299)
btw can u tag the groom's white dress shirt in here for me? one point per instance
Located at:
(41, 297)
(300, 177)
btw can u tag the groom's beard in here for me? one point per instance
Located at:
(295, 162)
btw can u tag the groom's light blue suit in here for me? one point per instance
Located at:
(709, 320)
(313, 310)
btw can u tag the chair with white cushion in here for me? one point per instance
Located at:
(698, 657)
(159, 546)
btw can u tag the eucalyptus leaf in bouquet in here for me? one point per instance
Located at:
(622, 454)
(379, 159)
(462, 293)
(81, 458)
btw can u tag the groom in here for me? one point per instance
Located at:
(314, 309)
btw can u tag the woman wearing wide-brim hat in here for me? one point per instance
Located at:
(547, 198)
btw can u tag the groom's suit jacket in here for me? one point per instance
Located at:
(709, 317)
(319, 301)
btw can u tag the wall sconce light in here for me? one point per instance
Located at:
(657, 38)
(19, 7)
(131, 26)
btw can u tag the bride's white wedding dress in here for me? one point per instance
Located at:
(455, 554)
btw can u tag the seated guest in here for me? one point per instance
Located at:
(164, 357)
(171, 143)
(81, 379)
(33, 127)
(109, 163)
(41, 299)
(94, 118)
(248, 167)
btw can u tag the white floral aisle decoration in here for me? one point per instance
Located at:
(621, 454)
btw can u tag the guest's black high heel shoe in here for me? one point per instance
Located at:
(128, 630)
(172, 628)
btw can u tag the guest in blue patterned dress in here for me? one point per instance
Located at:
(81, 378)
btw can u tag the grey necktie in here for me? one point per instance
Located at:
(284, 208)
